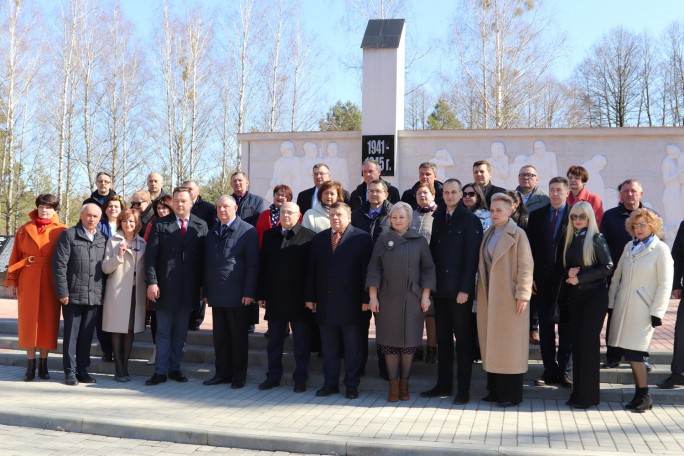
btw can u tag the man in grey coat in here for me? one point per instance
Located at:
(77, 270)
(533, 196)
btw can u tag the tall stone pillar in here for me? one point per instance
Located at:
(383, 91)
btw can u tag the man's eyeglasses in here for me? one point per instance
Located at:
(526, 175)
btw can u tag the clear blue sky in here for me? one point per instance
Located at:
(582, 21)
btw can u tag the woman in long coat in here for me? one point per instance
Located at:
(400, 275)
(316, 219)
(639, 295)
(29, 278)
(503, 293)
(588, 266)
(124, 299)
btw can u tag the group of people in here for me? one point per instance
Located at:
(474, 265)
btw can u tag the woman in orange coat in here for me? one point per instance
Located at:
(29, 278)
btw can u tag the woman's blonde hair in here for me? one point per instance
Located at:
(588, 255)
(651, 218)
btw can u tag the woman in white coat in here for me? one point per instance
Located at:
(124, 300)
(316, 219)
(639, 295)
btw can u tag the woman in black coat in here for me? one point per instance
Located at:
(587, 268)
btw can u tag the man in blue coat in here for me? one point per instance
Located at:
(231, 268)
(336, 292)
(173, 273)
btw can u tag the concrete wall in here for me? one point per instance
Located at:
(610, 156)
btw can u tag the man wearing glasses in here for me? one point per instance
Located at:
(533, 196)
(103, 182)
(141, 201)
(307, 198)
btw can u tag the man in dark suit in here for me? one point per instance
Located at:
(336, 292)
(371, 171)
(207, 212)
(307, 198)
(546, 233)
(250, 206)
(455, 247)
(173, 273)
(482, 174)
(427, 173)
(231, 271)
(282, 276)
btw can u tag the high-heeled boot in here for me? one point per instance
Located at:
(30, 370)
(644, 402)
(393, 395)
(404, 390)
(43, 372)
(635, 399)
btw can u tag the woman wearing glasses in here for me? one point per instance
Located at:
(588, 266)
(639, 296)
(270, 218)
(474, 200)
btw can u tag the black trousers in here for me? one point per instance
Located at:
(197, 315)
(336, 340)
(454, 319)
(586, 310)
(79, 328)
(678, 348)
(613, 354)
(103, 337)
(301, 336)
(231, 342)
(505, 387)
(556, 362)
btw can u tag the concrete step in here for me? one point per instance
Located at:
(198, 361)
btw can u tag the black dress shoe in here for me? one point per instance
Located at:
(461, 399)
(570, 402)
(70, 378)
(178, 376)
(565, 381)
(437, 391)
(268, 384)
(237, 385)
(299, 387)
(328, 390)
(352, 393)
(215, 381)
(156, 379)
(84, 377)
(581, 406)
(489, 398)
(610, 365)
(505, 404)
(671, 381)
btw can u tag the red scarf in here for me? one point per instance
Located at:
(42, 223)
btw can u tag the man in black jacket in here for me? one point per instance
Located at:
(231, 270)
(546, 233)
(373, 215)
(79, 282)
(250, 206)
(427, 173)
(103, 182)
(173, 273)
(482, 174)
(371, 171)
(336, 291)
(282, 277)
(455, 246)
(307, 198)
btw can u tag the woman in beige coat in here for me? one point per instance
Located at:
(124, 300)
(503, 294)
(639, 295)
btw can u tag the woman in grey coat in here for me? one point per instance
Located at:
(401, 274)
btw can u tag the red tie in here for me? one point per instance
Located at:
(183, 228)
(336, 240)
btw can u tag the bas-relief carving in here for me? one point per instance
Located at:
(498, 160)
(672, 172)
(443, 160)
(297, 171)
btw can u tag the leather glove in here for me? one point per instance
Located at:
(655, 321)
